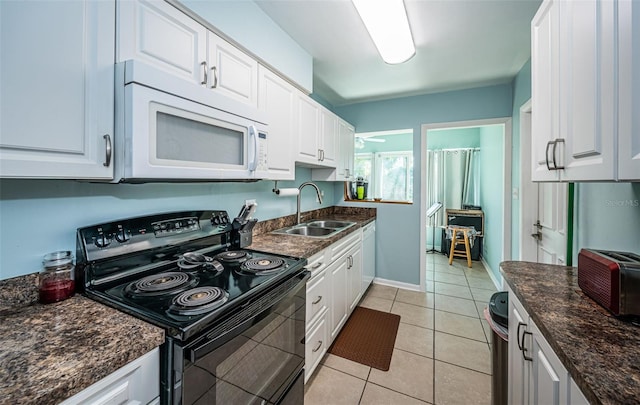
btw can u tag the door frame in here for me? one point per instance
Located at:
(506, 203)
(528, 190)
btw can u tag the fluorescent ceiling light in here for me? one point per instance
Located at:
(388, 26)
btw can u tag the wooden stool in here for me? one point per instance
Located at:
(455, 241)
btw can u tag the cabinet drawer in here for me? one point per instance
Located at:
(341, 247)
(316, 296)
(137, 382)
(317, 263)
(316, 345)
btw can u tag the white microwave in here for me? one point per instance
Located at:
(170, 130)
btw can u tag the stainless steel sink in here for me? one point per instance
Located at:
(310, 231)
(331, 224)
(316, 229)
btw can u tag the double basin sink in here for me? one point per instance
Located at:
(317, 229)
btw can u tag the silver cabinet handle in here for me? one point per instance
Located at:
(317, 300)
(555, 144)
(524, 349)
(319, 155)
(318, 346)
(214, 72)
(204, 70)
(546, 154)
(315, 266)
(323, 155)
(107, 160)
(520, 324)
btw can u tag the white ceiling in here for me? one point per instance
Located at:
(459, 44)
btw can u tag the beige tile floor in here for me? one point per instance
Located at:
(441, 354)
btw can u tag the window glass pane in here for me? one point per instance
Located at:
(394, 178)
(362, 166)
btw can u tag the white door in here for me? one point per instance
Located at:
(551, 223)
(543, 208)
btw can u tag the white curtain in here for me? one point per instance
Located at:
(453, 178)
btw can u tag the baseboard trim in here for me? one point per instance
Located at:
(397, 284)
(496, 282)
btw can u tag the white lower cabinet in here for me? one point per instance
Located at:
(136, 383)
(333, 292)
(536, 374)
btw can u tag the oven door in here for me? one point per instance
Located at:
(254, 359)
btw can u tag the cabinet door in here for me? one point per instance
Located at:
(57, 109)
(550, 378)
(278, 99)
(344, 165)
(308, 130)
(231, 71)
(338, 295)
(629, 90)
(587, 89)
(544, 89)
(368, 255)
(159, 34)
(328, 140)
(354, 274)
(518, 366)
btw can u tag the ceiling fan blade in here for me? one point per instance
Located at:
(374, 140)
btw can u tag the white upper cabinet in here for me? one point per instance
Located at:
(308, 130)
(56, 114)
(587, 88)
(629, 90)
(345, 156)
(231, 71)
(544, 89)
(160, 34)
(329, 139)
(317, 134)
(583, 92)
(278, 99)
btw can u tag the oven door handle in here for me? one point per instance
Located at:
(210, 343)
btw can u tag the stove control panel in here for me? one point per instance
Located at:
(156, 231)
(175, 226)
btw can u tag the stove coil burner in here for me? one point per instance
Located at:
(263, 266)
(233, 256)
(160, 284)
(198, 301)
(191, 261)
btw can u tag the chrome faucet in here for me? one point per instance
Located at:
(308, 183)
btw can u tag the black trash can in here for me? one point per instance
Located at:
(497, 314)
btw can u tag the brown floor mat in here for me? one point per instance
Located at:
(368, 338)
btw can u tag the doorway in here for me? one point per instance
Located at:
(498, 242)
(543, 208)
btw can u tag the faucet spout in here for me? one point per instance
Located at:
(303, 185)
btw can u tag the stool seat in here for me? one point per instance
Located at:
(461, 236)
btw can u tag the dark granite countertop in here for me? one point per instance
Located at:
(49, 353)
(601, 352)
(301, 246)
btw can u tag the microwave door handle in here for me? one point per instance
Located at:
(253, 162)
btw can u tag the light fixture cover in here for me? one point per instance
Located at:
(388, 26)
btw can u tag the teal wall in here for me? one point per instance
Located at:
(492, 193)
(607, 217)
(521, 94)
(398, 239)
(451, 138)
(247, 24)
(41, 216)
